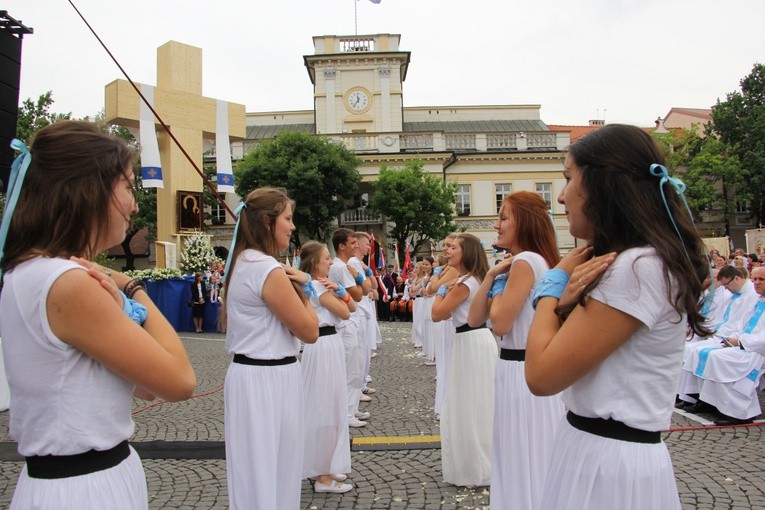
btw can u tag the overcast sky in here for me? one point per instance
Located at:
(622, 60)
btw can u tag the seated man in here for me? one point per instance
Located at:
(733, 282)
(731, 375)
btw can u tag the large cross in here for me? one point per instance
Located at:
(190, 116)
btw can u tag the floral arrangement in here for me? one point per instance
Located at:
(198, 254)
(155, 273)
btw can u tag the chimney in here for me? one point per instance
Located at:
(597, 122)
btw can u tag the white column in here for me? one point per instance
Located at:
(329, 90)
(385, 98)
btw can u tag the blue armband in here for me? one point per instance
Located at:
(308, 288)
(437, 271)
(368, 272)
(341, 292)
(552, 284)
(133, 309)
(498, 287)
(442, 290)
(360, 278)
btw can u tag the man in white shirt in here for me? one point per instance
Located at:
(341, 272)
(368, 327)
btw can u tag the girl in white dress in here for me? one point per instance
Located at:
(611, 335)
(263, 396)
(524, 425)
(327, 443)
(468, 408)
(93, 333)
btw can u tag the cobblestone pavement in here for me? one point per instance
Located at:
(716, 468)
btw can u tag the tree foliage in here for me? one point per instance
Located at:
(709, 169)
(319, 174)
(33, 116)
(419, 207)
(739, 121)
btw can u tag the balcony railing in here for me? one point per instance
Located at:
(357, 44)
(360, 216)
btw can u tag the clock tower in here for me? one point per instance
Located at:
(357, 82)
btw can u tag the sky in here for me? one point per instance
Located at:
(615, 60)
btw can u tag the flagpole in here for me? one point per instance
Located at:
(356, 17)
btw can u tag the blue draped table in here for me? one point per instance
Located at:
(172, 297)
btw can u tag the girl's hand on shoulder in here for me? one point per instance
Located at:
(103, 276)
(583, 275)
(296, 275)
(353, 271)
(329, 284)
(501, 267)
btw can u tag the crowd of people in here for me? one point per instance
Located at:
(555, 376)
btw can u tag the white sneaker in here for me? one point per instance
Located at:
(420, 354)
(339, 477)
(368, 391)
(374, 354)
(429, 363)
(356, 423)
(334, 487)
(365, 398)
(369, 378)
(363, 415)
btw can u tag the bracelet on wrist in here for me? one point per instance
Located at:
(347, 298)
(360, 278)
(132, 287)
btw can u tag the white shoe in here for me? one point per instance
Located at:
(365, 398)
(356, 423)
(420, 354)
(339, 477)
(374, 353)
(368, 391)
(363, 415)
(334, 487)
(430, 363)
(369, 378)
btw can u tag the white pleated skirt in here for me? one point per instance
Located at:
(428, 328)
(443, 341)
(590, 471)
(327, 444)
(417, 322)
(264, 436)
(524, 431)
(468, 410)
(120, 487)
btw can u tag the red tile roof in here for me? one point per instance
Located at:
(576, 131)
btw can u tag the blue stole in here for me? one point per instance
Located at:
(736, 295)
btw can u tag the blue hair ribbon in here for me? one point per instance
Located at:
(237, 213)
(660, 171)
(16, 180)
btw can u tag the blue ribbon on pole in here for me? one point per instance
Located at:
(237, 213)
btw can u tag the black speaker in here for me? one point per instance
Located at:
(11, 34)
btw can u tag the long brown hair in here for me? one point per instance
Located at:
(256, 223)
(474, 259)
(63, 208)
(533, 226)
(625, 206)
(310, 256)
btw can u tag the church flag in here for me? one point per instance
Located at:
(223, 150)
(397, 268)
(381, 259)
(372, 253)
(151, 166)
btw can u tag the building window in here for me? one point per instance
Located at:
(743, 206)
(502, 190)
(545, 191)
(463, 200)
(217, 213)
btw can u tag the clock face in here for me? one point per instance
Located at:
(358, 101)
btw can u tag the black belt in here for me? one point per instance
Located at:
(327, 330)
(244, 360)
(512, 354)
(612, 429)
(466, 327)
(63, 466)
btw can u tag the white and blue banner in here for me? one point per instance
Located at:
(151, 166)
(223, 150)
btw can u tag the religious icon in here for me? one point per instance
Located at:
(190, 209)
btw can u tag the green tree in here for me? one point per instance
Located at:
(739, 121)
(419, 207)
(34, 116)
(709, 168)
(318, 173)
